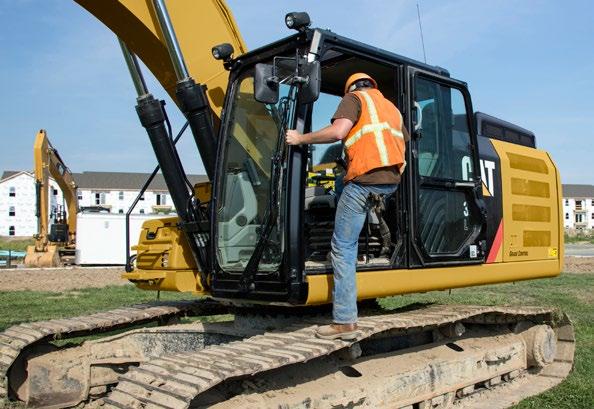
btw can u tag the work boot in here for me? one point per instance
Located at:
(335, 331)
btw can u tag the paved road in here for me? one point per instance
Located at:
(582, 250)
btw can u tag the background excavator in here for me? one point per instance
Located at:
(472, 210)
(55, 241)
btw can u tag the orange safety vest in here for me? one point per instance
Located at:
(376, 140)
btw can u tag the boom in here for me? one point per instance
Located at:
(49, 163)
(199, 25)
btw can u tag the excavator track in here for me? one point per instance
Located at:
(16, 339)
(175, 381)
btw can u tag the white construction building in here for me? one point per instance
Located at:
(578, 207)
(18, 203)
(114, 192)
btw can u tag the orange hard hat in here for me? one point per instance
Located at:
(356, 77)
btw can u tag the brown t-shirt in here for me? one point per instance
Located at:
(350, 108)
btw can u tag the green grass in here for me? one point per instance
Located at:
(573, 293)
(580, 238)
(15, 244)
(23, 306)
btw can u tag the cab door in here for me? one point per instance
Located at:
(448, 217)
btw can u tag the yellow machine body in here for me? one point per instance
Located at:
(531, 245)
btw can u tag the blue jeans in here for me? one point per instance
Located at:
(350, 218)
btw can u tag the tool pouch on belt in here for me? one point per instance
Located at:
(378, 206)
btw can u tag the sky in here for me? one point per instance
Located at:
(529, 62)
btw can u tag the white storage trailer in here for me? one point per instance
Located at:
(101, 237)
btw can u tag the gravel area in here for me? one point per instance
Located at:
(60, 279)
(579, 249)
(72, 278)
(579, 264)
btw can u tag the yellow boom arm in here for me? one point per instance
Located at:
(48, 163)
(199, 25)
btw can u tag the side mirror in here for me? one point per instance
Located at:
(265, 84)
(310, 91)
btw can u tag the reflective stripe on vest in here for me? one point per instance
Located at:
(379, 130)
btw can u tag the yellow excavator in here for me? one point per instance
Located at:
(55, 242)
(477, 205)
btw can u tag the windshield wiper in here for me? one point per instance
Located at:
(246, 283)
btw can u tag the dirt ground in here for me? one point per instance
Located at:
(71, 278)
(59, 279)
(579, 265)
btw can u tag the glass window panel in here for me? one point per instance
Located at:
(444, 220)
(444, 149)
(246, 189)
(447, 216)
(492, 131)
(324, 109)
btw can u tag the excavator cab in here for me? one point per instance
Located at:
(273, 205)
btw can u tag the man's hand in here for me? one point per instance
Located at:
(293, 137)
(337, 131)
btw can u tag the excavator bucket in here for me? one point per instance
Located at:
(48, 258)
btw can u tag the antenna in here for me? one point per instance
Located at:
(421, 30)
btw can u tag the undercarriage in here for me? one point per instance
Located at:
(425, 356)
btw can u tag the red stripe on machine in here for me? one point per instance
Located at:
(496, 244)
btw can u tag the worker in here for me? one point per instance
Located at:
(371, 130)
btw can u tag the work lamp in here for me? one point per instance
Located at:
(297, 20)
(222, 51)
